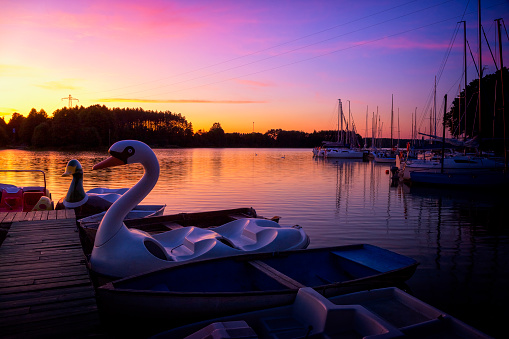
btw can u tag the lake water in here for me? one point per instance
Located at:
(460, 237)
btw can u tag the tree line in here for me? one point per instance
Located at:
(99, 126)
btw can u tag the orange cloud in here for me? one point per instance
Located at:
(64, 84)
(180, 101)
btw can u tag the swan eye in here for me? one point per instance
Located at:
(124, 155)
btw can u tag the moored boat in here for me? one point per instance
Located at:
(455, 164)
(380, 313)
(91, 206)
(163, 223)
(476, 179)
(203, 289)
(25, 198)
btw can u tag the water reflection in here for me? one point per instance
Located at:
(460, 237)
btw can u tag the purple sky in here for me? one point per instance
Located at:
(262, 64)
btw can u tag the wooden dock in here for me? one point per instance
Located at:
(45, 290)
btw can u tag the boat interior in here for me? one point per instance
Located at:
(265, 273)
(20, 199)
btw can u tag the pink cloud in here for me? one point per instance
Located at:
(149, 19)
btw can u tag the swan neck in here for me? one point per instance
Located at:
(76, 191)
(112, 221)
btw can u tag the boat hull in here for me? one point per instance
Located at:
(380, 313)
(478, 179)
(219, 287)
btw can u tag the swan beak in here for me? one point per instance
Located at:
(110, 162)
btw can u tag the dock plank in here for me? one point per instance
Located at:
(45, 289)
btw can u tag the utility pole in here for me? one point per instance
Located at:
(70, 98)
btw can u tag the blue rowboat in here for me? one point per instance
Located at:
(380, 313)
(210, 288)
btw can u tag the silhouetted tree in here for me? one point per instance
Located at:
(41, 137)
(4, 137)
(14, 126)
(216, 135)
(29, 124)
(66, 127)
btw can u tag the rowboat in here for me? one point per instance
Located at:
(163, 223)
(26, 198)
(204, 289)
(380, 313)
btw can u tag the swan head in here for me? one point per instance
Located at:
(76, 195)
(126, 152)
(73, 168)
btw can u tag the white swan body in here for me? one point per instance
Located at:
(120, 252)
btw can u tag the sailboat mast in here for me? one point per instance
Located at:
(398, 130)
(348, 137)
(340, 117)
(366, 137)
(479, 112)
(373, 128)
(415, 126)
(435, 109)
(465, 65)
(502, 89)
(392, 115)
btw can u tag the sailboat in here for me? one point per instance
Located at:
(338, 149)
(387, 156)
(460, 170)
(457, 170)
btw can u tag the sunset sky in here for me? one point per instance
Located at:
(257, 64)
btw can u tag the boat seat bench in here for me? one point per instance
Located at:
(276, 275)
(367, 260)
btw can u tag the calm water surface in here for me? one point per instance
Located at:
(461, 238)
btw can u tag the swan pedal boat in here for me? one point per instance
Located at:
(27, 198)
(381, 313)
(90, 206)
(164, 223)
(120, 251)
(205, 289)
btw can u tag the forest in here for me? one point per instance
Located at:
(98, 126)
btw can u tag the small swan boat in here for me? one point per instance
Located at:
(90, 206)
(120, 251)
